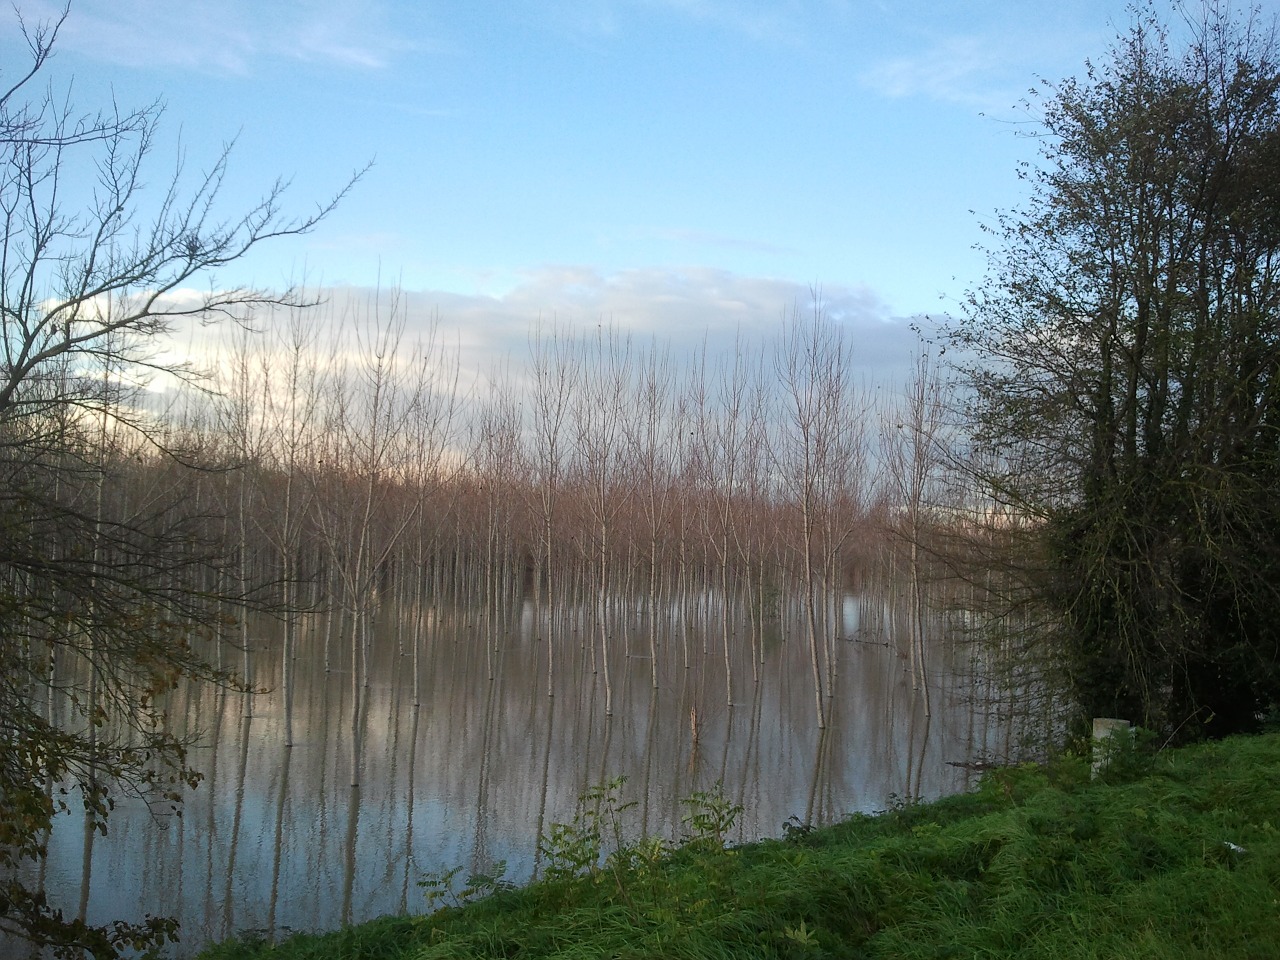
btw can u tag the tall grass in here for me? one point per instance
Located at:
(1171, 854)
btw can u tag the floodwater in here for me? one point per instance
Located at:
(378, 792)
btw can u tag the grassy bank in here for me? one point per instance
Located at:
(1175, 854)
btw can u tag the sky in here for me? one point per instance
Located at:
(654, 164)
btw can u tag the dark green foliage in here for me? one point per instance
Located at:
(1180, 859)
(1127, 403)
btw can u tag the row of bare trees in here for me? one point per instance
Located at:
(348, 466)
(342, 464)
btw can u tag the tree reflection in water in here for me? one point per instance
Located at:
(333, 831)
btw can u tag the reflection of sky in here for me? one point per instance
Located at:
(463, 784)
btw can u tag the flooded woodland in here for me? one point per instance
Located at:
(441, 615)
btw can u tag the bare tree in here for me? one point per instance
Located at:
(554, 369)
(371, 405)
(600, 446)
(650, 426)
(90, 265)
(494, 456)
(431, 431)
(289, 408)
(910, 443)
(725, 405)
(821, 454)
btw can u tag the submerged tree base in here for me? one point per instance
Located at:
(1172, 853)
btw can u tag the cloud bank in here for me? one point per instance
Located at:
(682, 310)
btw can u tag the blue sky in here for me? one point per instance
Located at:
(587, 158)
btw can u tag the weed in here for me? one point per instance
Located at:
(1125, 756)
(578, 847)
(710, 818)
(801, 935)
(438, 888)
(795, 830)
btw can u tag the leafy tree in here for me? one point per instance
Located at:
(1126, 384)
(108, 572)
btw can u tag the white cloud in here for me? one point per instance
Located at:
(988, 57)
(227, 36)
(487, 339)
(682, 309)
(958, 69)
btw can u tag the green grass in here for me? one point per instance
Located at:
(1039, 862)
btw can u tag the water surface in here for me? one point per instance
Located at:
(378, 791)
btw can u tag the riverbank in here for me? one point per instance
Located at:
(1174, 853)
